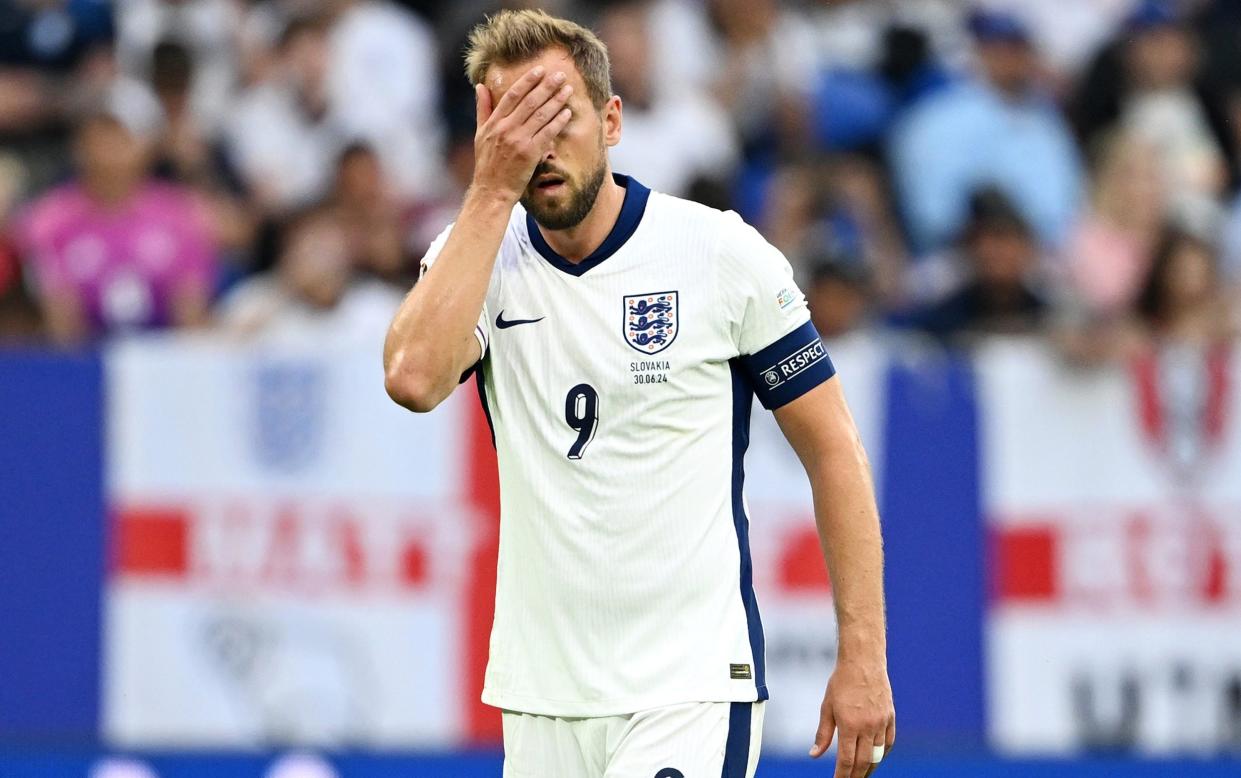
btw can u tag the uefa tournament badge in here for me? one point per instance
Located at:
(650, 321)
(1182, 401)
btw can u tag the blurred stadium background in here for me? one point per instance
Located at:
(224, 553)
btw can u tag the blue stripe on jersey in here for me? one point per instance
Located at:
(737, 746)
(626, 223)
(743, 400)
(480, 381)
(788, 368)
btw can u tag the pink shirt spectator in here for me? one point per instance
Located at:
(125, 265)
(1107, 266)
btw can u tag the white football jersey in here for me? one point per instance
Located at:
(619, 392)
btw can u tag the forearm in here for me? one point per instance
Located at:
(431, 339)
(64, 318)
(848, 524)
(191, 304)
(432, 331)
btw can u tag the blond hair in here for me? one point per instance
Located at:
(512, 37)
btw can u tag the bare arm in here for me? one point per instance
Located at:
(858, 702)
(421, 365)
(431, 342)
(191, 305)
(64, 318)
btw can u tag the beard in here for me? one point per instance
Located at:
(568, 211)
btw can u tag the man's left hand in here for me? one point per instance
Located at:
(857, 705)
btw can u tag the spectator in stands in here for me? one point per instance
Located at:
(49, 55)
(866, 225)
(370, 215)
(382, 86)
(186, 152)
(183, 151)
(793, 212)
(1147, 84)
(999, 128)
(115, 250)
(1000, 253)
(1111, 248)
(281, 136)
(763, 65)
(838, 206)
(856, 107)
(1182, 302)
(208, 34)
(314, 294)
(674, 135)
(839, 296)
(1069, 34)
(856, 34)
(765, 62)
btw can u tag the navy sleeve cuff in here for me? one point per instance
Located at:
(481, 336)
(788, 368)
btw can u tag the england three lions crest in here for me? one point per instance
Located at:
(651, 319)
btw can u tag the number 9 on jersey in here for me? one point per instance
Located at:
(581, 412)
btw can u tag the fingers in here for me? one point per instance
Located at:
(823, 738)
(553, 128)
(547, 98)
(890, 735)
(878, 741)
(548, 111)
(865, 749)
(520, 88)
(482, 104)
(846, 756)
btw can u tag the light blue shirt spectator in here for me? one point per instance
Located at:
(972, 136)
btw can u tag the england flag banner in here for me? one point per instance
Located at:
(1114, 504)
(289, 555)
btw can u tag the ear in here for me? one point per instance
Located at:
(612, 121)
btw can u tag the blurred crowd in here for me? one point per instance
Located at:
(275, 168)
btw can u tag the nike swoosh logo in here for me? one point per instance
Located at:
(504, 324)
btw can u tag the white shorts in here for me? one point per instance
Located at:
(694, 740)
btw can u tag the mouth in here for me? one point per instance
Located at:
(549, 184)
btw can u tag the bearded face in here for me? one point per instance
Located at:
(559, 199)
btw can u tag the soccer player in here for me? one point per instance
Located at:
(618, 336)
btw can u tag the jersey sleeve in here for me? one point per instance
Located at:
(778, 348)
(482, 330)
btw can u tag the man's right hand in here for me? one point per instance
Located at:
(518, 132)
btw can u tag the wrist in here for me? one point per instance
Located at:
(861, 645)
(490, 195)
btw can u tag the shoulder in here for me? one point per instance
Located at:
(662, 203)
(947, 109)
(680, 215)
(730, 236)
(738, 254)
(162, 195)
(176, 204)
(66, 197)
(47, 214)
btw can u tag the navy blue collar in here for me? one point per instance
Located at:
(630, 217)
